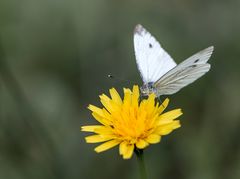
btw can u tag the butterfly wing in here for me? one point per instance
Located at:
(185, 73)
(152, 60)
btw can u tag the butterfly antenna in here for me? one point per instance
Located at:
(118, 79)
(110, 76)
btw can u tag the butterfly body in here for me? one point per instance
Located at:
(160, 73)
(148, 88)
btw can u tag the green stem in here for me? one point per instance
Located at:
(142, 168)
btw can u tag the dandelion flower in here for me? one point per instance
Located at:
(130, 123)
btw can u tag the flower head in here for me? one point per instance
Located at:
(130, 123)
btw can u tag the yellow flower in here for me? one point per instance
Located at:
(130, 123)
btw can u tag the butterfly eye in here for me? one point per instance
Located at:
(150, 45)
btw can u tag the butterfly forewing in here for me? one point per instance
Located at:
(152, 60)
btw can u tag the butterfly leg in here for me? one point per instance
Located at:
(159, 100)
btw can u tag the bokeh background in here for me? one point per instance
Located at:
(55, 56)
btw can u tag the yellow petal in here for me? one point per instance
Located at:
(127, 98)
(115, 96)
(109, 104)
(98, 114)
(90, 128)
(135, 96)
(101, 119)
(95, 109)
(97, 138)
(130, 123)
(163, 106)
(105, 100)
(167, 128)
(123, 147)
(169, 116)
(153, 138)
(151, 101)
(104, 97)
(176, 124)
(107, 145)
(107, 115)
(129, 151)
(141, 144)
(104, 130)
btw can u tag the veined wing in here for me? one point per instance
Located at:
(185, 73)
(152, 60)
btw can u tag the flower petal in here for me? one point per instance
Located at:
(129, 122)
(109, 104)
(141, 144)
(127, 98)
(163, 106)
(90, 128)
(99, 114)
(135, 96)
(151, 101)
(97, 138)
(95, 109)
(168, 128)
(115, 96)
(129, 151)
(101, 119)
(104, 130)
(169, 116)
(107, 145)
(153, 138)
(105, 100)
(123, 147)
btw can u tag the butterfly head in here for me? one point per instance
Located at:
(147, 89)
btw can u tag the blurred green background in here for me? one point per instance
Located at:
(54, 61)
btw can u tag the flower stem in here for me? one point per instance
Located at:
(140, 158)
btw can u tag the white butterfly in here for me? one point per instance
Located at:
(160, 73)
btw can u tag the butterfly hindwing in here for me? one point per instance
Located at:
(185, 73)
